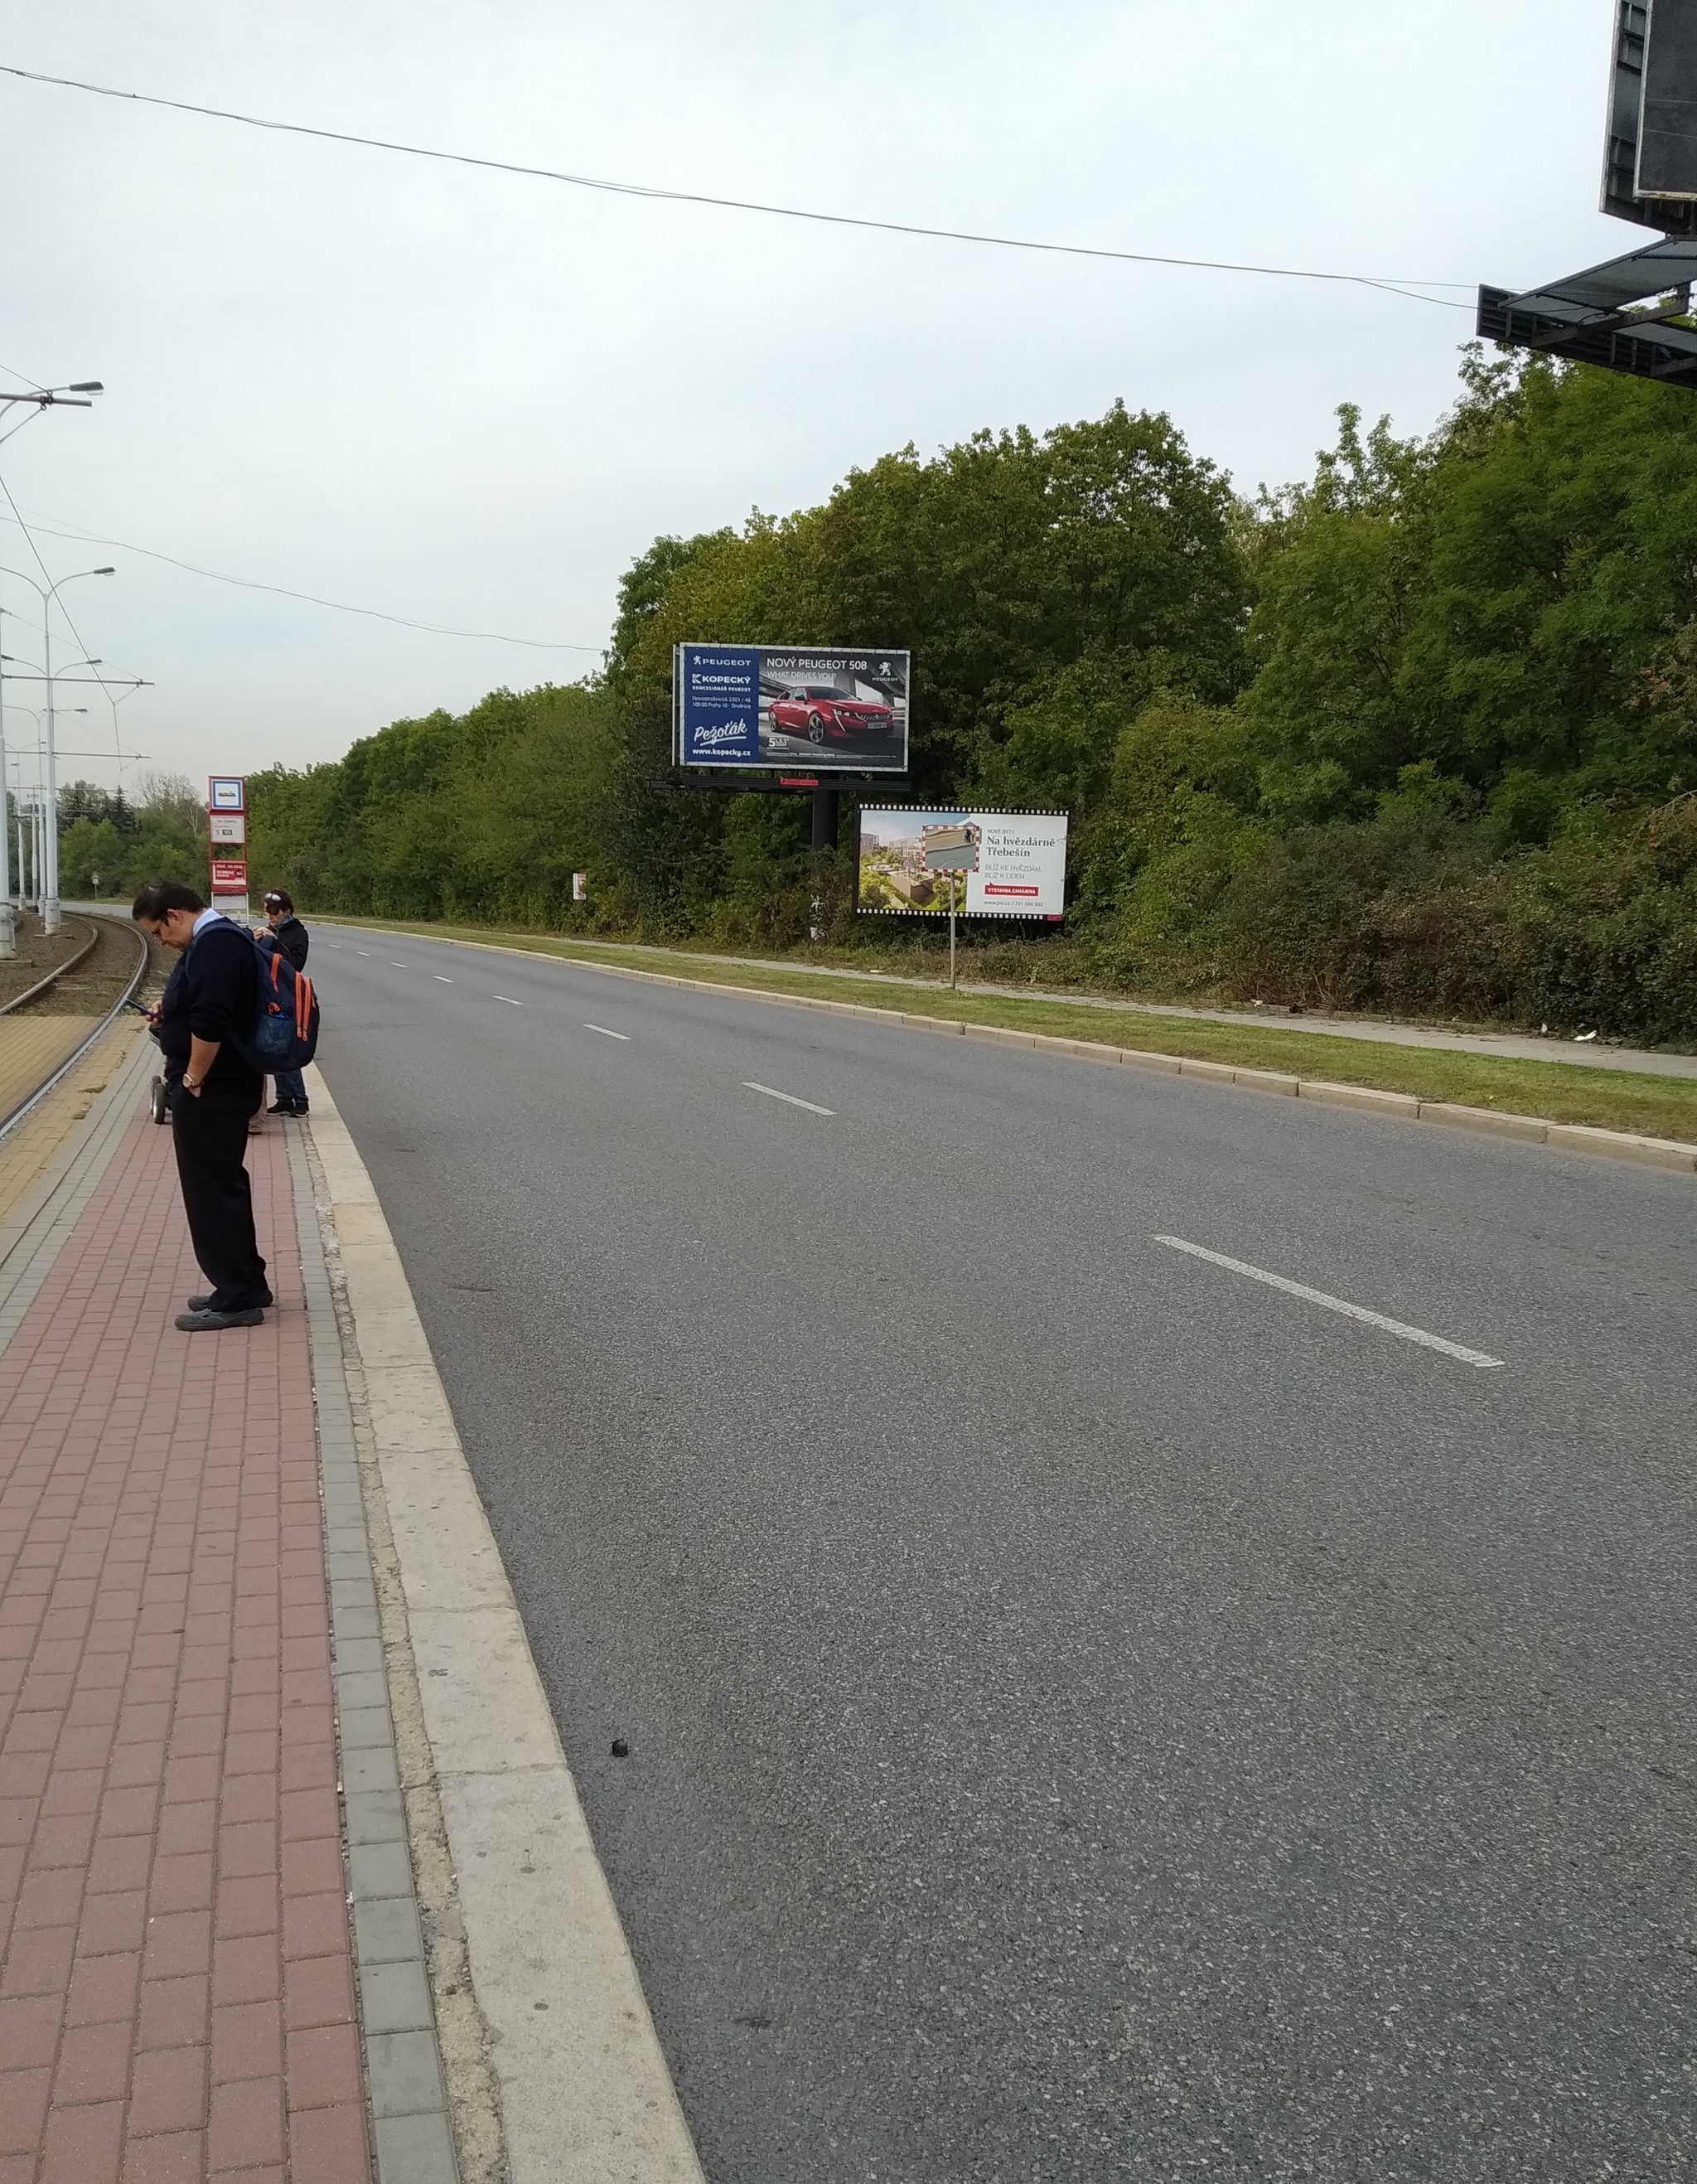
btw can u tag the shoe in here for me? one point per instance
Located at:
(301, 1107)
(280, 1107)
(204, 1303)
(213, 1323)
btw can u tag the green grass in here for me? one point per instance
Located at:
(1561, 1092)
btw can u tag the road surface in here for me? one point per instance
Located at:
(1093, 1712)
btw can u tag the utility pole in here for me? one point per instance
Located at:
(76, 396)
(48, 877)
(8, 927)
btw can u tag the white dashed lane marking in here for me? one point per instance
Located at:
(788, 1098)
(1333, 1304)
(441, 981)
(605, 1033)
(508, 1000)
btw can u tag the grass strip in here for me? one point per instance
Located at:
(1560, 1092)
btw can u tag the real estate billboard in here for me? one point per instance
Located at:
(822, 708)
(1020, 871)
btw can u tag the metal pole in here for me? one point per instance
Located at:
(50, 815)
(8, 929)
(954, 892)
(824, 841)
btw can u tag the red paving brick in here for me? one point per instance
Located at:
(176, 1995)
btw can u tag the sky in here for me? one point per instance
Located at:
(471, 399)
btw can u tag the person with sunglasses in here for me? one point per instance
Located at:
(283, 931)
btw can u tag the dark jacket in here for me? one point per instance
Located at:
(213, 993)
(290, 939)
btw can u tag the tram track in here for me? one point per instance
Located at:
(63, 1065)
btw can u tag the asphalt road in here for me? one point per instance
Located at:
(1092, 1714)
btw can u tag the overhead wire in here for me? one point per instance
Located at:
(311, 598)
(1407, 286)
(55, 600)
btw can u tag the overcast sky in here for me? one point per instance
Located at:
(472, 399)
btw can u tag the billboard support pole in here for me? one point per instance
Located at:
(953, 897)
(824, 840)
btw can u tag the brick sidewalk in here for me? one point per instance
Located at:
(176, 1996)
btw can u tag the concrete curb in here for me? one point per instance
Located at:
(585, 2093)
(407, 2100)
(1489, 1122)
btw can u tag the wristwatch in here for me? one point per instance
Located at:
(191, 1083)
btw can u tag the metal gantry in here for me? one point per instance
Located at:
(1633, 314)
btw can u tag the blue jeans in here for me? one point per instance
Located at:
(291, 1085)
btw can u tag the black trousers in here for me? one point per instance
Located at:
(211, 1133)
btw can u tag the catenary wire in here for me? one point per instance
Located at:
(58, 601)
(311, 598)
(1391, 287)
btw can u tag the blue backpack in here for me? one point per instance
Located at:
(285, 1033)
(285, 1029)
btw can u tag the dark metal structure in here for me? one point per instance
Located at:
(1634, 314)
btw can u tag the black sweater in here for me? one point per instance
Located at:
(213, 993)
(290, 939)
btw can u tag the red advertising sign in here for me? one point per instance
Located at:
(229, 875)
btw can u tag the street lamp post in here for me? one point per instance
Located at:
(31, 853)
(42, 398)
(8, 924)
(50, 872)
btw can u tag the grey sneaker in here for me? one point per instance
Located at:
(204, 1303)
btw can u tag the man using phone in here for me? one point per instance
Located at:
(210, 998)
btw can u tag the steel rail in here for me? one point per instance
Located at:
(10, 1121)
(17, 1001)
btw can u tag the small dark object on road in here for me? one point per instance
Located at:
(620, 1749)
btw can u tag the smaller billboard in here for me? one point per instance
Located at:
(1021, 870)
(229, 875)
(832, 710)
(226, 792)
(227, 829)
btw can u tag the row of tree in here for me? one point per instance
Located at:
(110, 843)
(1420, 734)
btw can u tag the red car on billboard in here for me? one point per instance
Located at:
(815, 711)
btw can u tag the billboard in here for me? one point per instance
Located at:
(226, 792)
(1649, 160)
(1020, 871)
(829, 709)
(1667, 124)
